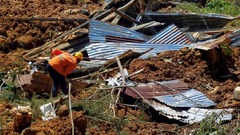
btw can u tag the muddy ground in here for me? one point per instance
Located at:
(216, 79)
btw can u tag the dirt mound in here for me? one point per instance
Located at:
(196, 68)
(29, 34)
(60, 125)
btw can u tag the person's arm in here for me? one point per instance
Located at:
(56, 52)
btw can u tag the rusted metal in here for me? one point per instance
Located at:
(151, 90)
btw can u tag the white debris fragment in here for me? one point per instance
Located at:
(48, 111)
(236, 94)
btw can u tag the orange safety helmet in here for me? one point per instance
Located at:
(79, 55)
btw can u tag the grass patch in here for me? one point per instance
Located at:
(209, 125)
(231, 8)
(212, 6)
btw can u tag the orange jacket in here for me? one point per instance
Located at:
(56, 52)
(64, 63)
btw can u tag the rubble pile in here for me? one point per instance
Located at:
(183, 66)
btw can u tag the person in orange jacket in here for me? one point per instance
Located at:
(59, 66)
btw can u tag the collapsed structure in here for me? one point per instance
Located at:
(112, 35)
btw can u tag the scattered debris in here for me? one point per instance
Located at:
(22, 118)
(170, 35)
(115, 35)
(236, 93)
(189, 98)
(191, 21)
(48, 111)
(191, 115)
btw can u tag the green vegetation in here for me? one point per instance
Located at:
(213, 6)
(230, 7)
(210, 125)
(99, 109)
(213, 125)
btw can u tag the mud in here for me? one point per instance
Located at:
(29, 34)
(213, 73)
(194, 68)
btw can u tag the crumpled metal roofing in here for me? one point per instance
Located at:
(100, 32)
(189, 98)
(190, 115)
(110, 50)
(235, 38)
(108, 1)
(151, 90)
(186, 114)
(170, 35)
(195, 22)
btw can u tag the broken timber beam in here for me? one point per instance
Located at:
(122, 14)
(123, 9)
(146, 25)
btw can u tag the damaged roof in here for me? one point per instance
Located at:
(151, 90)
(235, 38)
(189, 98)
(191, 21)
(170, 35)
(190, 115)
(100, 32)
(110, 50)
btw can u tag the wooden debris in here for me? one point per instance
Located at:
(40, 83)
(122, 14)
(117, 17)
(125, 58)
(216, 43)
(146, 25)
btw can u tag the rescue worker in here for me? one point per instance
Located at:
(59, 66)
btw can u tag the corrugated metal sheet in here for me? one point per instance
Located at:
(195, 22)
(100, 32)
(108, 1)
(23, 80)
(235, 38)
(190, 98)
(170, 35)
(110, 50)
(191, 115)
(151, 90)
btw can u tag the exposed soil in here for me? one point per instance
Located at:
(15, 33)
(193, 67)
(204, 71)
